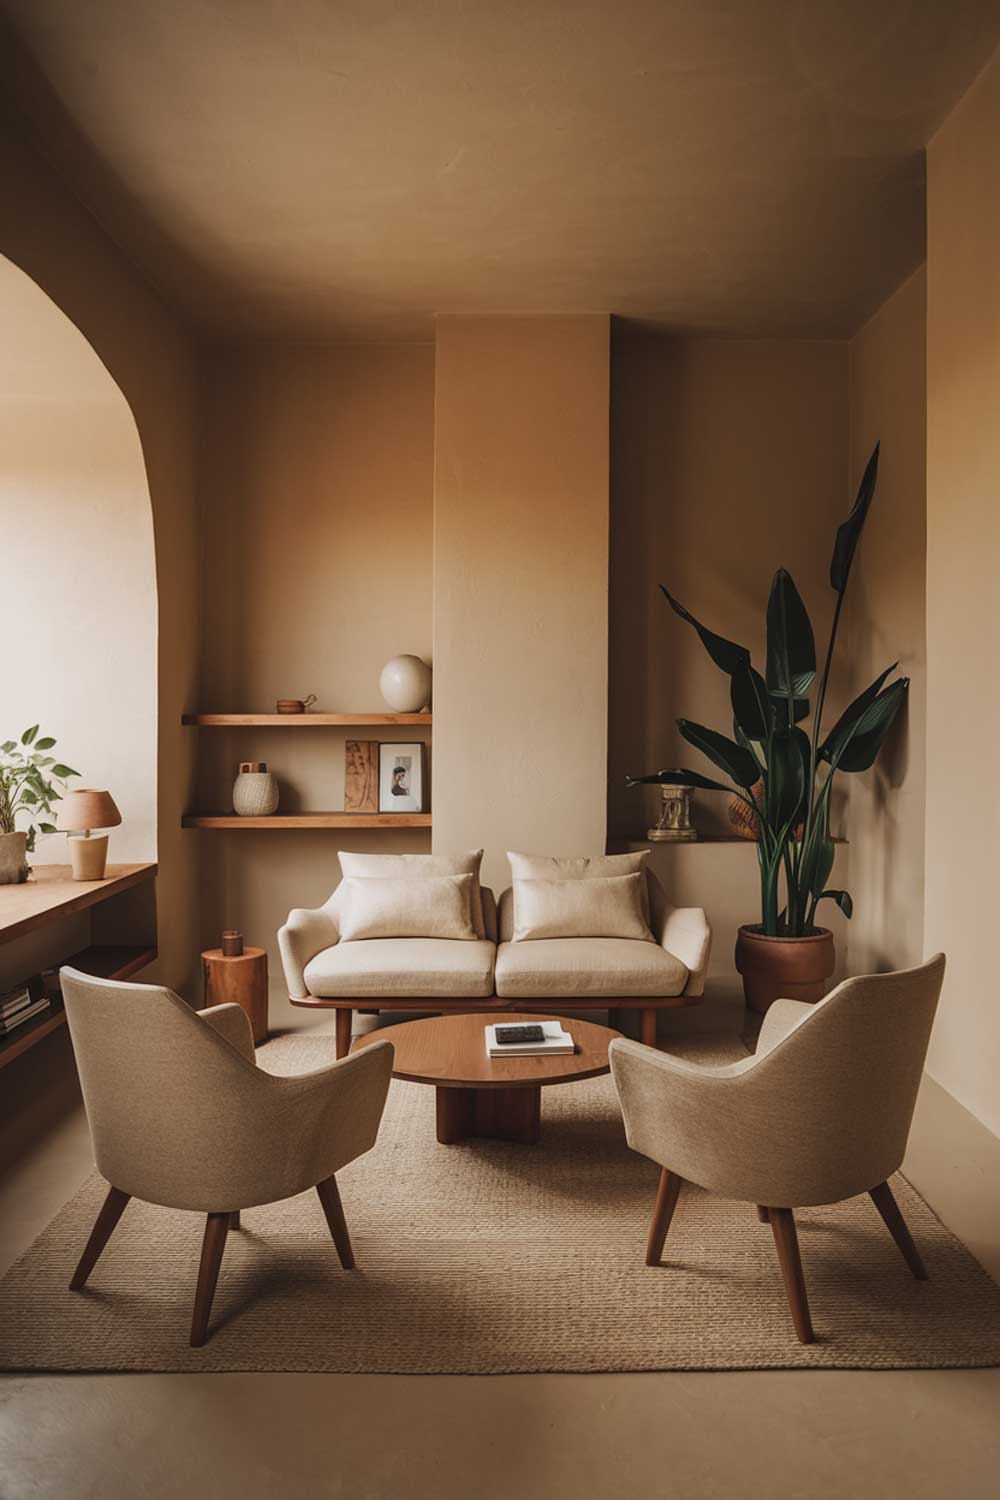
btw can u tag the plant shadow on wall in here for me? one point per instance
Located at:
(784, 774)
(30, 782)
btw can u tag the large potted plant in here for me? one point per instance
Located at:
(30, 782)
(785, 773)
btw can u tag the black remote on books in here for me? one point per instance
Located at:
(511, 1034)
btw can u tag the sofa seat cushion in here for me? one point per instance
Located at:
(618, 968)
(404, 968)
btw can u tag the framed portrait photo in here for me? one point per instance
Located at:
(401, 778)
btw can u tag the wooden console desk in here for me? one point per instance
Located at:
(50, 897)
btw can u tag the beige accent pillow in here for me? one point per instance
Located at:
(581, 867)
(418, 866)
(435, 907)
(597, 906)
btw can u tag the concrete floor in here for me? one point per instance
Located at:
(769, 1434)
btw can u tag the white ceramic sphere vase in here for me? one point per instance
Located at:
(405, 684)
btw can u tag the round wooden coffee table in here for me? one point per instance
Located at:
(498, 1097)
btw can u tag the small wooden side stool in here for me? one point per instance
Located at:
(243, 980)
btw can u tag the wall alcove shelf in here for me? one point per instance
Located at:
(300, 721)
(309, 820)
(50, 895)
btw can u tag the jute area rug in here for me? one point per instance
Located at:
(487, 1258)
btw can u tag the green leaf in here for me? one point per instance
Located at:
(787, 764)
(844, 728)
(730, 757)
(872, 728)
(28, 736)
(791, 649)
(800, 709)
(751, 705)
(849, 532)
(63, 771)
(45, 743)
(842, 899)
(48, 828)
(678, 777)
(726, 654)
(7, 747)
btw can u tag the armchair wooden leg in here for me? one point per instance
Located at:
(234, 1219)
(647, 1027)
(786, 1243)
(214, 1243)
(344, 1022)
(329, 1196)
(887, 1206)
(104, 1226)
(666, 1202)
(762, 1214)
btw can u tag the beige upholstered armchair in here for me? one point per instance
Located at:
(819, 1113)
(180, 1115)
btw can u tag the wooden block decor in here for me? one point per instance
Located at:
(361, 776)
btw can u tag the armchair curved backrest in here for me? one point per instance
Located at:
(822, 1110)
(181, 1116)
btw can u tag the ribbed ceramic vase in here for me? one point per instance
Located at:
(255, 790)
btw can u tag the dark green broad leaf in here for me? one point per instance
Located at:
(7, 747)
(726, 654)
(730, 757)
(679, 777)
(800, 709)
(849, 532)
(846, 724)
(63, 771)
(817, 863)
(787, 771)
(791, 649)
(48, 827)
(45, 743)
(872, 728)
(751, 705)
(28, 737)
(842, 898)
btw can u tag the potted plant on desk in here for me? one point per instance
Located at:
(30, 782)
(785, 775)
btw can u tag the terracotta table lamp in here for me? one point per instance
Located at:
(81, 811)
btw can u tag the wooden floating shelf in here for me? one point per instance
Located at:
(309, 820)
(299, 721)
(105, 962)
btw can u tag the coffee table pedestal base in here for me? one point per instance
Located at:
(499, 1114)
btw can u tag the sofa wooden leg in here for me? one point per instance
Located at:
(213, 1245)
(104, 1226)
(234, 1219)
(666, 1202)
(329, 1196)
(887, 1206)
(344, 1023)
(763, 1214)
(786, 1242)
(647, 1027)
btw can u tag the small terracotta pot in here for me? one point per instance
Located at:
(775, 968)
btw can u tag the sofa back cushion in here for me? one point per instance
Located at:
(418, 867)
(609, 906)
(436, 906)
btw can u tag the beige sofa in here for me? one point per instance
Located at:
(495, 973)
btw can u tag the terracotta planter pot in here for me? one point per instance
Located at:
(13, 864)
(776, 968)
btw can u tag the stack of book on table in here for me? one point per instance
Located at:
(523, 1039)
(17, 1006)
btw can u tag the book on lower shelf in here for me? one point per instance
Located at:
(26, 1013)
(15, 1000)
(555, 1041)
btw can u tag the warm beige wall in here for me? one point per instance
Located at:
(316, 489)
(963, 557)
(78, 566)
(886, 623)
(520, 586)
(46, 232)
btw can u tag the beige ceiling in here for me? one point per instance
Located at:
(325, 169)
